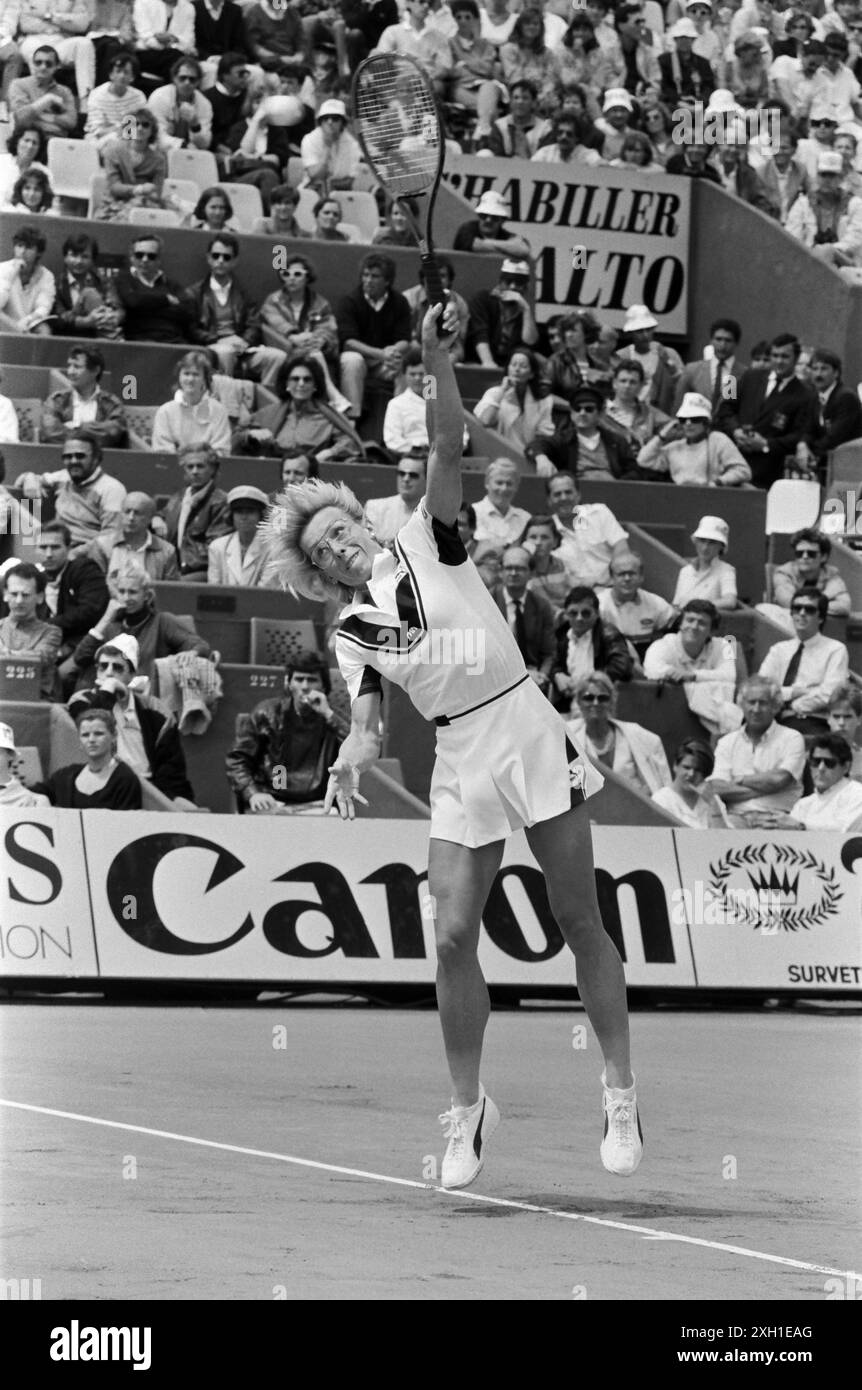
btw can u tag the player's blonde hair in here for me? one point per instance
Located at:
(283, 529)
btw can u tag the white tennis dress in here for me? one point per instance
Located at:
(504, 759)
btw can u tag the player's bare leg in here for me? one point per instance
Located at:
(564, 850)
(459, 880)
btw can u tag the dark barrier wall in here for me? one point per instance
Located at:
(745, 266)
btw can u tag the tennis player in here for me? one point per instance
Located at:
(504, 761)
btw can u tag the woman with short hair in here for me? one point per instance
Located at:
(102, 782)
(689, 797)
(194, 416)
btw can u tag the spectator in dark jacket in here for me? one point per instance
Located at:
(529, 615)
(199, 513)
(585, 644)
(71, 407)
(155, 309)
(76, 594)
(502, 318)
(232, 330)
(774, 412)
(83, 307)
(223, 32)
(103, 782)
(132, 610)
(838, 413)
(685, 76)
(374, 331)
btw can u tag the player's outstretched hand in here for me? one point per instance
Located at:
(343, 790)
(432, 341)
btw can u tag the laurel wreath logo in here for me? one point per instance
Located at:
(793, 918)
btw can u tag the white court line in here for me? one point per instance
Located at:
(648, 1231)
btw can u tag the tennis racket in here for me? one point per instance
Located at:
(398, 125)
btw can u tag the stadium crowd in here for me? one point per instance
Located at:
(252, 98)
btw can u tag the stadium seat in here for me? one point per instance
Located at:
(140, 419)
(275, 642)
(184, 190)
(247, 203)
(29, 412)
(71, 166)
(352, 233)
(305, 209)
(295, 171)
(360, 208)
(791, 504)
(98, 187)
(155, 217)
(197, 166)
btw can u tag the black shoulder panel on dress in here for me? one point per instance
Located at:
(371, 684)
(450, 546)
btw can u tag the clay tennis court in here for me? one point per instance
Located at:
(109, 1210)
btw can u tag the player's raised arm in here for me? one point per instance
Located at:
(445, 414)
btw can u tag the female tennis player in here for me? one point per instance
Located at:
(504, 761)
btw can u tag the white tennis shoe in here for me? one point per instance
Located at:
(622, 1145)
(468, 1129)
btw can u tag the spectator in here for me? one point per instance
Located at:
(502, 318)
(76, 594)
(41, 100)
(284, 748)
(9, 432)
(102, 782)
(330, 154)
(496, 519)
(702, 662)
(184, 115)
(27, 289)
(684, 75)
(296, 467)
(597, 449)
(638, 46)
(782, 179)
(417, 298)
(473, 67)
(155, 309)
(637, 421)
(301, 420)
(241, 558)
(213, 211)
(227, 321)
(112, 31)
(615, 123)
(164, 31)
(12, 790)
(692, 163)
(738, 177)
(691, 452)
(836, 802)
(658, 127)
(198, 514)
(662, 365)
(132, 611)
(810, 569)
(809, 668)
(566, 146)
(148, 740)
(281, 221)
(89, 501)
(10, 58)
(85, 403)
(486, 232)
(792, 74)
(229, 101)
(589, 535)
(113, 102)
(82, 305)
(585, 643)
(828, 221)
(834, 82)
(631, 751)
(758, 767)
(365, 25)
(847, 144)
(708, 576)
(529, 615)
(515, 410)
(387, 515)
(637, 152)
(639, 615)
(488, 560)
(405, 425)
(26, 149)
(22, 633)
(304, 322)
(194, 416)
(279, 121)
(417, 38)
(748, 76)
(583, 61)
(274, 32)
(219, 28)
(774, 411)
(135, 171)
(397, 230)
(548, 575)
(577, 360)
(845, 718)
(327, 218)
(518, 134)
(717, 374)
(32, 194)
(690, 797)
(527, 55)
(374, 328)
(139, 544)
(822, 128)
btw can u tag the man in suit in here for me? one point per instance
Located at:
(717, 376)
(774, 412)
(76, 594)
(529, 615)
(838, 415)
(227, 321)
(198, 513)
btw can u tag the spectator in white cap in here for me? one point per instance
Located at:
(822, 127)
(684, 75)
(829, 220)
(692, 452)
(708, 576)
(330, 154)
(707, 44)
(662, 365)
(615, 124)
(566, 147)
(12, 790)
(241, 558)
(502, 319)
(485, 232)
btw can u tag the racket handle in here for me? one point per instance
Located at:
(433, 284)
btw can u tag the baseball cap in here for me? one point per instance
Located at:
(246, 493)
(694, 407)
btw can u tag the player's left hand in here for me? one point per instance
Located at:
(343, 790)
(432, 341)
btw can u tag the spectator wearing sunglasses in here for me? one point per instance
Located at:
(810, 569)
(155, 308)
(135, 171)
(836, 802)
(41, 100)
(585, 644)
(86, 499)
(184, 115)
(227, 320)
(810, 667)
(387, 515)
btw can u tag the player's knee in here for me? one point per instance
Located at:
(579, 922)
(456, 943)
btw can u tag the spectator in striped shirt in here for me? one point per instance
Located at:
(114, 101)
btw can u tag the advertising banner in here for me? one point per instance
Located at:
(46, 926)
(601, 238)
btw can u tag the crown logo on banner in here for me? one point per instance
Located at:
(774, 887)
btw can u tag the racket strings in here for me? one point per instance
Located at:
(399, 125)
